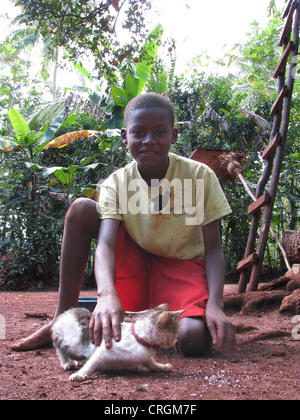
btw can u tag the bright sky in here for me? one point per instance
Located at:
(207, 25)
(203, 26)
(6, 8)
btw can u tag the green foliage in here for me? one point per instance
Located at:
(259, 56)
(20, 126)
(29, 231)
(134, 78)
(87, 27)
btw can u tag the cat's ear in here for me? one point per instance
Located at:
(176, 314)
(163, 307)
(163, 320)
(168, 318)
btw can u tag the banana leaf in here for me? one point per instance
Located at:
(64, 175)
(69, 138)
(135, 79)
(147, 57)
(20, 126)
(54, 126)
(7, 145)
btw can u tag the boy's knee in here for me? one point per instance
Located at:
(83, 216)
(194, 339)
(81, 211)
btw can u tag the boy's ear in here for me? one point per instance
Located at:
(124, 135)
(175, 135)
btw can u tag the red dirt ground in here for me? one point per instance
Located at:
(266, 369)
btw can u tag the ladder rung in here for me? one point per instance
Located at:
(247, 262)
(284, 59)
(272, 146)
(279, 100)
(258, 204)
(287, 9)
(289, 13)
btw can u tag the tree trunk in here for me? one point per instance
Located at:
(291, 244)
(291, 303)
(251, 302)
(56, 58)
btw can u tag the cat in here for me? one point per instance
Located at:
(153, 328)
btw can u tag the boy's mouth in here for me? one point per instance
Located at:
(148, 152)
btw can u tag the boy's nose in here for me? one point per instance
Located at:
(148, 139)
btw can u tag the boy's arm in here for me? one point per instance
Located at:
(219, 325)
(108, 313)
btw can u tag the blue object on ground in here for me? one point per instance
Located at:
(87, 303)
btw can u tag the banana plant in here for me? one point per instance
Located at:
(108, 142)
(26, 140)
(30, 143)
(129, 81)
(65, 178)
(135, 77)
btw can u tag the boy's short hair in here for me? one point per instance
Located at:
(149, 100)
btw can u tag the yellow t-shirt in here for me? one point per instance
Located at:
(166, 218)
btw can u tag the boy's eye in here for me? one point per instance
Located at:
(137, 132)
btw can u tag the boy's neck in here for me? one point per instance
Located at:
(149, 174)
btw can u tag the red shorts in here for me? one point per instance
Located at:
(145, 280)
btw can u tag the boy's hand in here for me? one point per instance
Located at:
(221, 329)
(106, 320)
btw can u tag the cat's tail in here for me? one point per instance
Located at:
(66, 350)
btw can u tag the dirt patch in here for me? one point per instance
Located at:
(264, 367)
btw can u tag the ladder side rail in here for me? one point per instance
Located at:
(250, 247)
(263, 239)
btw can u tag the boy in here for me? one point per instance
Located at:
(156, 244)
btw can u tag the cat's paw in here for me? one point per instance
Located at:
(79, 364)
(69, 366)
(166, 368)
(77, 378)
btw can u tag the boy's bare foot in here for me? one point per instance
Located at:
(39, 339)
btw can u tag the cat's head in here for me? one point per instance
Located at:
(166, 324)
(167, 320)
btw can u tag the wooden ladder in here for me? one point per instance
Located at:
(251, 266)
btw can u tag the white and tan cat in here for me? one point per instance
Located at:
(154, 328)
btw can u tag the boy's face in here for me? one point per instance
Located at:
(149, 135)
